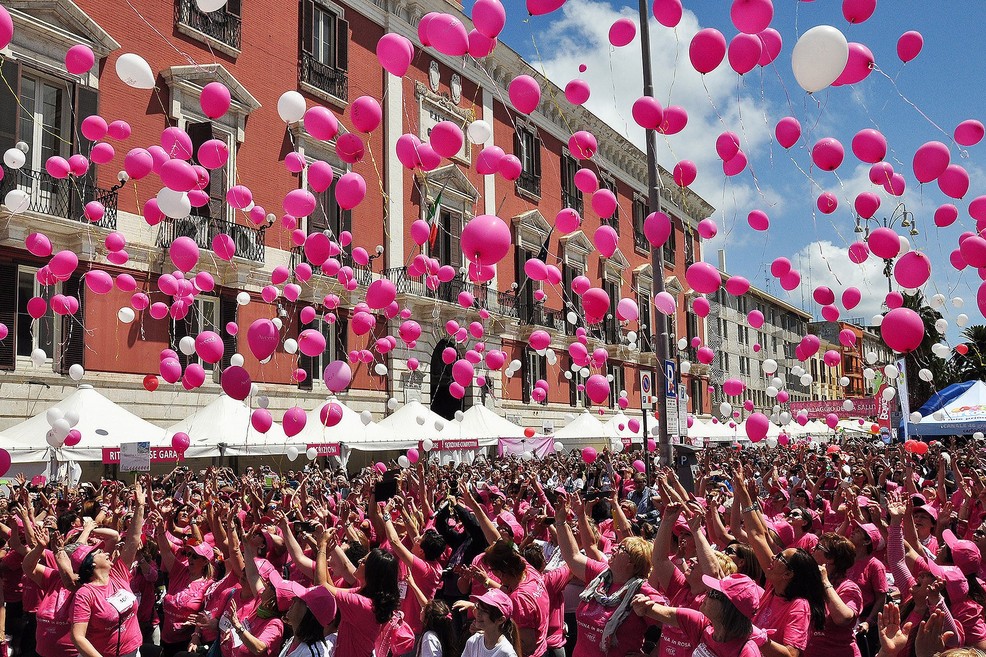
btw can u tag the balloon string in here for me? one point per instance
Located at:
(917, 109)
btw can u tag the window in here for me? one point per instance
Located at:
(610, 184)
(200, 133)
(527, 148)
(44, 120)
(336, 336)
(725, 362)
(618, 385)
(639, 215)
(220, 28)
(571, 197)
(611, 325)
(324, 60)
(526, 311)
(328, 215)
(569, 272)
(645, 330)
(203, 315)
(695, 396)
(668, 250)
(744, 365)
(535, 368)
(41, 333)
(447, 247)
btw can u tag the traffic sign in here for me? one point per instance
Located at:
(670, 379)
(646, 386)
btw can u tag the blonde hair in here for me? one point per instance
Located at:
(726, 565)
(639, 550)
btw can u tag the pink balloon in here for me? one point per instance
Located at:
(930, 161)
(703, 277)
(757, 426)
(380, 294)
(583, 145)
(701, 306)
(756, 318)
(79, 59)
(665, 303)
(736, 165)
(580, 284)
(365, 114)
(627, 310)
(859, 65)
(912, 270)
(446, 138)
(262, 338)
(827, 154)
(485, 239)
(744, 52)
(657, 228)
(510, 167)
(866, 204)
(790, 280)
(63, 264)
(622, 32)
(946, 215)
(902, 330)
(337, 376)
(780, 266)
(525, 94)
(595, 302)
(184, 253)
(541, 7)
(737, 286)
(93, 127)
(969, 132)
(299, 203)
(57, 167)
(394, 52)
(758, 220)
(448, 35)
(727, 146)
(350, 190)
(648, 113)
(577, 92)
(668, 12)
(38, 244)
(787, 131)
(772, 44)
(586, 181)
(707, 229)
(869, 145)
(884, 243)
(489, 17)
(858, 11)
(954, 181)
(99, 281)
(606, 240)
(909, 45)
(215, 100)
(194, 376)
(751, 16)
(685, 173)
(858, 252)
(102, 153)
(597, 388)
(294, 421)
(707, 49)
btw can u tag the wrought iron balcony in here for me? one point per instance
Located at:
(538, 315)
(640, 241)
(530, 183)
(60, 197)
(220, 25)
(362, 274)
(331, 80)
(249, 241)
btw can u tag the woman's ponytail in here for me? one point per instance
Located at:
(512, 632)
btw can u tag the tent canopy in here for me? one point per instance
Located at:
(225, 422)
(482, 424)
(404, 429)
(102, 423)
(960, 414)
(584, 426)
(613, 427)
(350, 429)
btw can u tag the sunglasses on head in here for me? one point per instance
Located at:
(784, 560)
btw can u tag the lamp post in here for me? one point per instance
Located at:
(659, 321)
(906, 220)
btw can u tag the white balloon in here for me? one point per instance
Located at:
(243, 298)
(685, 366)
(941, 350)
(22, 147)
(262, 401)
(941, 325)
(915, 417)
(459, 415)
(925, 375)
(806, 380)
(771, 442)
(427, 445)
(61, 428)
(778, 382)
(126, 315)
(209, 6)
(515, 364)
(558, 446)
(869, 373)
(53, 414)
(957, 302)
(769, 366)
(962, 320)
(187, 345)
(292, 452)
(575, 366)
(624, 393)
(844, 381)
(584, 372)
(725, 409)
(380, 369)
(848, 405)
(76, 372)
(889, 393)
(771, 391)
(610, 378)
(38, 357)
(552, 358)
(391, 403)
(572, 318)
(53, 440)
(631, 336)
(420, 420)
(134, 72)
(682, 344)
(938, 301)
(876, 320)
(311, 453)
(366, 417)
(14, 158)
(291, 107)
(871, 357)
(403, 461)
(72, 417)
(479, 132)
(978, 435)
(237, 360)
(785, 417)
(891, 371)
(819, 57)
(254, 389)
(17, 200)
(568, 375)
(174, 204)
(277, 323)
(291, 346)
(617, 446)
(905, 246)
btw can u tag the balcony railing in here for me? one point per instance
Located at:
(573, 199)
(362, 274)
(529, 183)
(60, 197)
(219, 25)
(538, 315)
(249, 241)
(640, 241)
(326, 78)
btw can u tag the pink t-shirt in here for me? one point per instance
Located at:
(111, 612)
(532, 608)
(592, 617)
(217, 596)
(791, 619)
(428, 577)
(697, 630)
(555, 582)
(806, 542)
(358, 627)
(870, 576)
(184, 598)
(13, 576)
(838, 640)
(143, 587)
(268, 630)
(675, 641)
(54, 617)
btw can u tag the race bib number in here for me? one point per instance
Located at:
(123, 600)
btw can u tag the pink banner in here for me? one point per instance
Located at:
(325, 449)
(158, 455)
(540, 447)
(862, 407)
(452, 445)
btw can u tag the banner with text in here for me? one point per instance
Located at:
(862, 407)
(157, 454)
(325, 449)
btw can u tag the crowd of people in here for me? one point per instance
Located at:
(854, 550)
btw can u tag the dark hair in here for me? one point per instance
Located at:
(842, 552)
(355, 552)
(807, 584)
(87, 569)
(438, 619)
(509, 627)
(534, 555)
(502, 558)
(751, 567)
(735, 625)
(309, 631)
(381, 584)
(65, 522)
(432, 545)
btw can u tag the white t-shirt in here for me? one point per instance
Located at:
(324, 648)
(475, 647)
(430, 645)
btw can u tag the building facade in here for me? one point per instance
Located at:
(868, 351)
(326, 51)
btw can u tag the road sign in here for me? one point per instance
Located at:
(646, 387)
(671, 379)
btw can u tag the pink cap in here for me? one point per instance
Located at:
(264, 567)
(930, 510)
(204, 550)
(497, 599)
(322, 604)
(287, 590)
(784, 532)
(956, 585)
(79, 555)
(871, 530)
(965, 554)
(515, 529)
(742, 591)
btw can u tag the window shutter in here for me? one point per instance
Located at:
(8, 316)
(10, 102)
(342, 44)
(307, 27)
(519, 146)
(318, 220)
(537, 157)
(525, 375)
(84, 104)
(306, 363)
(233, 7)
(342, 334)
(455, 246)
(73, 345)
(346, 220)
(200, 133)
(227, 314)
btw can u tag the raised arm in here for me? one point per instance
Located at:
(132, 541)
(566, 541)
(490, 531)
(305, 564)
(662, 567)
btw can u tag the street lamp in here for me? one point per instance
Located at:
(907, 220)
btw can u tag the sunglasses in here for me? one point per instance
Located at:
(730, 552)
(979, 533)
(619, 549)
(780, 557)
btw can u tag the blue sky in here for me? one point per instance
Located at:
(910, 105)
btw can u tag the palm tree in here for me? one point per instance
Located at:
(971, 366)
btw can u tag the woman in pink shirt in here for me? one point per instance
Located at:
(525, 586)
(189, 575)
(53, 614)
(104, 609)
(843, 600)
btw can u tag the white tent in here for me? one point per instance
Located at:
(717, 432)
(963, 415)
(102, 423)
(349, 432)
(483, 424)
(222, 427)
(404, 429)
(621, 419)
(585, 427)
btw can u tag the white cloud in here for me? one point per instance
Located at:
(823, 263)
